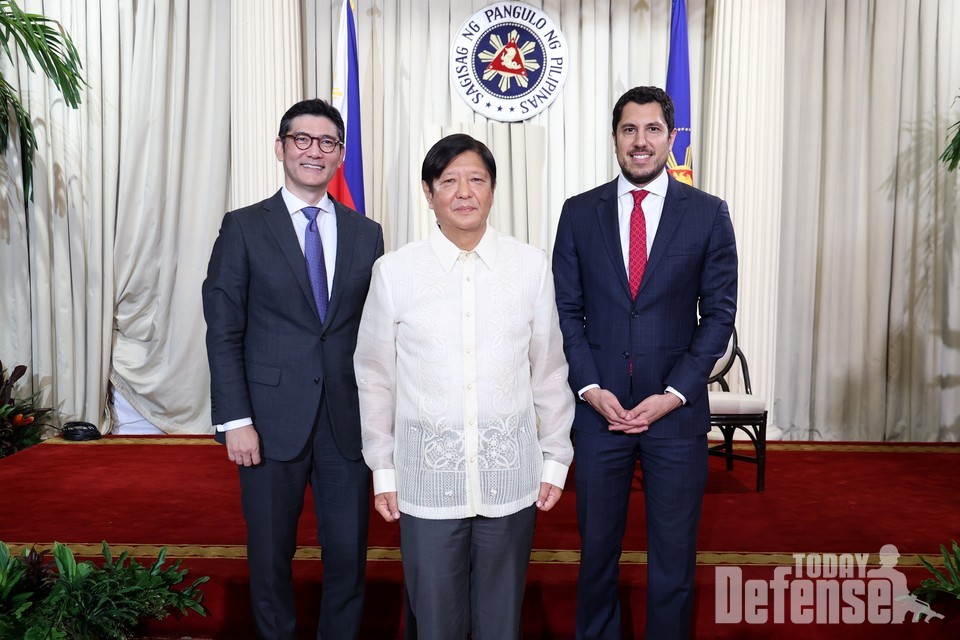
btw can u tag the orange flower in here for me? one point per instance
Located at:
(20, 420)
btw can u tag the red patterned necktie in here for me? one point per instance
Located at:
(638, 242)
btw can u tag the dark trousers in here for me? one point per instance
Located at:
(272, 494)
(465, 575)
(674, 478)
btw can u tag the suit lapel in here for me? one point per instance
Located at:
(673, 209)
(609, 218)
(346, 238)
(278, 221)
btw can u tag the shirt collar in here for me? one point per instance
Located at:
(295, 204)
(658, 186)
(448, 253)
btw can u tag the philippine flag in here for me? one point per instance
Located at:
(680, 162)
(347, 185)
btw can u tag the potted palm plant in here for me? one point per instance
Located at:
(44, 42)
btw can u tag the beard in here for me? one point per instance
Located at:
(640, 179)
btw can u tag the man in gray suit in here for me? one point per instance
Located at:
(285, 288)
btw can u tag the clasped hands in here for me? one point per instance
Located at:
(636, 420)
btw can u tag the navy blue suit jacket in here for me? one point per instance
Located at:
(692, 266)
(270, 357)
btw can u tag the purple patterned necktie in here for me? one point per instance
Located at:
(316, 267)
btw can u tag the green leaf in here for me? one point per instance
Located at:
(107, 556)
(66, 563)
(948, 563)
(951, 155)
(155, 569)
(39, 633)
(948, 582)
(939, 578)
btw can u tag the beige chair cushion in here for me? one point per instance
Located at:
(723, 402)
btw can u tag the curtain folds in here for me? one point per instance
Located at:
(820, 121)
(56, 253)
(174, 163)
(744, 107)
(869, 290)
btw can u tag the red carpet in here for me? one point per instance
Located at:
(147, 492)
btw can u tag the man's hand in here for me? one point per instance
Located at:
(243, 446)
(607, 405)
(549, 496)
(386, 505)
(647, 412)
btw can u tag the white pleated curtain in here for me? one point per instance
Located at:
(174, 171)
(819, 122)
(869, 297)
(129, 192)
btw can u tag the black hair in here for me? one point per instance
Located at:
(314, 107)
(645, 95)
(446, 149)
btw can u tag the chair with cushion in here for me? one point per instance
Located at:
(730, 411)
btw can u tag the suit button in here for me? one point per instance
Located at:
(634, 314)
(323, 338)
(625, 355)
(316, 381)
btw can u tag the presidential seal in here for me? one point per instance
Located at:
(508, 61)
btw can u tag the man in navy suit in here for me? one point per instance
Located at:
(285, 288)
(646, 291)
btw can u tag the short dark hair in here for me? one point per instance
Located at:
(446, 149)
(645, 95)
(314, 107)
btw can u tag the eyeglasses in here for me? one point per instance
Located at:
(305, 141)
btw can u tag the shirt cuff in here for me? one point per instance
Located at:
(384, 481)
(585, 389)
(683, 400)
(233, 424)
(554, 473)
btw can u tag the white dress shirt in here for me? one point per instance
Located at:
(464, 402)
(652, 208)
(327, 224)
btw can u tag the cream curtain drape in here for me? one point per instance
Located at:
(743, 115)
(101, 276)
(172, 189)
(819, 121)
(869, 295)
(56, 254)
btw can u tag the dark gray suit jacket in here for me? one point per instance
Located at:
(270, 358)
